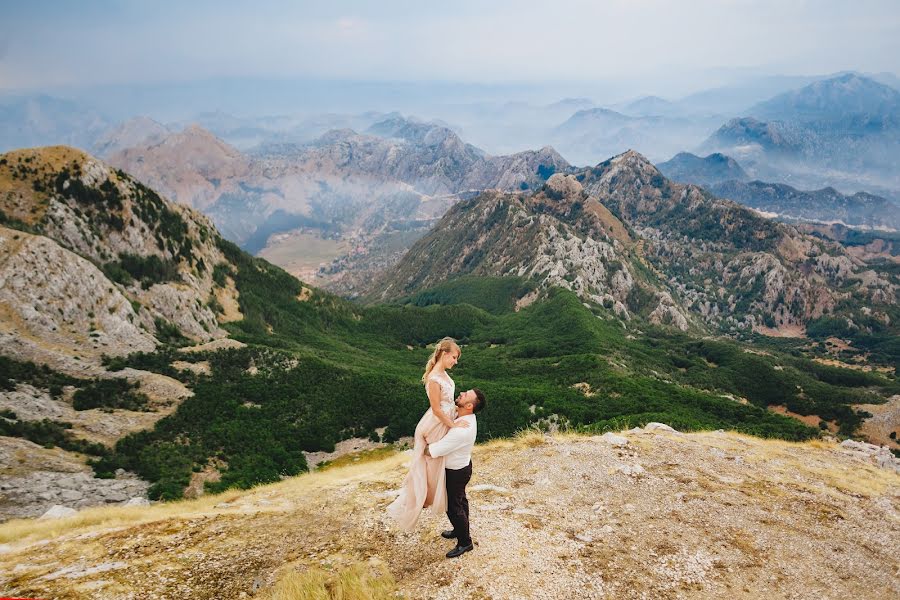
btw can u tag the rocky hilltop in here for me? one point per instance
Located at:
(622, 235)
(557, 236)
(93, 266)
(94, 263)
(647, 513)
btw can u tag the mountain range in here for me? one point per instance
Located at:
(370, 191)
(843, 132)
(135, 335)
(724, 177)
(622, 236)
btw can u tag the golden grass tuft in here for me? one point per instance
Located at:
(530, 437)
(356, 582)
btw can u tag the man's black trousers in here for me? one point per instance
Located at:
(458, 504)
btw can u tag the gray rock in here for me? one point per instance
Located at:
(658, 427)
(613, 439)
(137, 501)
(631, 470)
(71, 495)
(58, 511)
(114, 496)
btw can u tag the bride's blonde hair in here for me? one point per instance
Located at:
(447, 344)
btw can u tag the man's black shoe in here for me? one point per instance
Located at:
(460, 550)
(449, 534)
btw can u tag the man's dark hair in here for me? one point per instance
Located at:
(480, 395)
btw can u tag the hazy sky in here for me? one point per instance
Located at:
(44, 43)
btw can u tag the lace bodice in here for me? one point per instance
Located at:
(448, 392)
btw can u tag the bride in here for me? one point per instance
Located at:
(425, 483)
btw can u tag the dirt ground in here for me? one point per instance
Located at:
(665, 515)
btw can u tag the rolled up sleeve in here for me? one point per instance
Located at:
(455, 439)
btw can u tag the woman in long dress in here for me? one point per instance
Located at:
(425, 483)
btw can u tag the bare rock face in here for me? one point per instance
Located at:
(34, 480)
(92, 217)
(667, 313)
(57, 305)
(565, 184)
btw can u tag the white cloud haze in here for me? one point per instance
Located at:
(61, 43)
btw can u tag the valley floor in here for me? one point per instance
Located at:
(663, 515)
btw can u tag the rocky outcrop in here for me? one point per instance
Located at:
(34, 479)
(57, 306)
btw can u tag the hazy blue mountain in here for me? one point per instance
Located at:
(129, 133)
(589, 136)
(685, 167)
(849, 99)
(826, 205)
(842, 132)
(649, 106)
(735, 98)
(41, 120)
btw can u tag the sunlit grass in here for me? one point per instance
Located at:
(357, 582)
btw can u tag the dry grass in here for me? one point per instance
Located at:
(103, 517)
(107, 517)
(361, 457)
(371, 581)
(17, 197)
(530, 437)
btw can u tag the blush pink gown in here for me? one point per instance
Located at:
(425, 484)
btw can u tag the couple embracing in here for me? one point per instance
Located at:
(441, 463)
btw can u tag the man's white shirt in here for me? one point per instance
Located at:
(456, 445)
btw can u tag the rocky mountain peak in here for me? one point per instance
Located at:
(627, 171)
(715, 168)
(832, 99)
(138, 130)
(416, 131)
(180, 162)
(124, 261)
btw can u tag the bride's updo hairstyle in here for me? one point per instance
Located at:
(446, 344)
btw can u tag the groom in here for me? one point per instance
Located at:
(456, 445)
